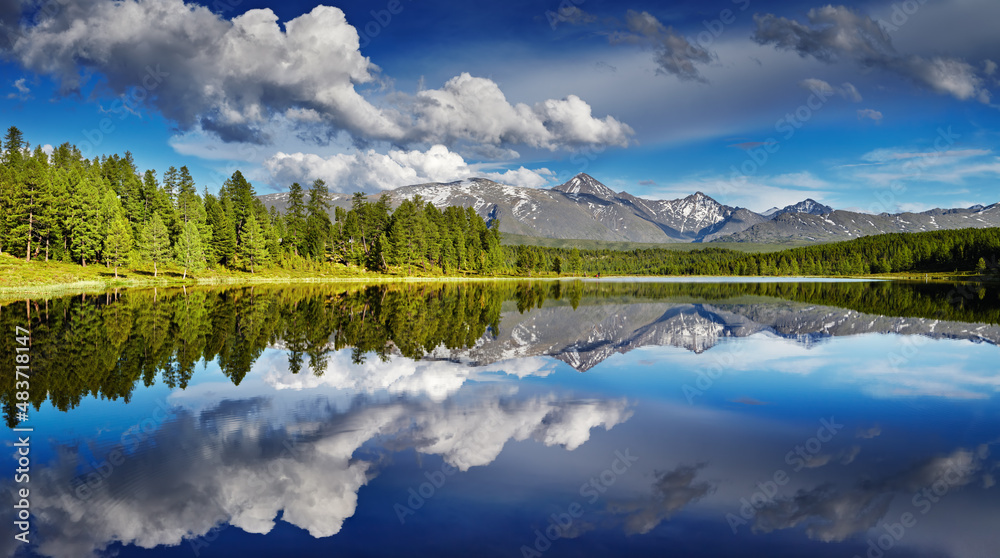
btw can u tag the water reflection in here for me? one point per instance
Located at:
(741, 419)
(105, 345)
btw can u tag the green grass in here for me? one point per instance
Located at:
(19, 278)
(750, 247)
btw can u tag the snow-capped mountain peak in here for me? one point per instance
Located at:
(808, 205)
(584, 184)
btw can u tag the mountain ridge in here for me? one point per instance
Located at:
(583, 208)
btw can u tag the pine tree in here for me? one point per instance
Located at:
(118, 243)
(238, 201)
(295, 219)
(318, 224)
(189, 251)
(253, 249)
(223, 241)
(84, 224)
(27, 217)
(189, 206)
(155, 242)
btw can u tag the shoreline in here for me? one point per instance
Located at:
(99, 280)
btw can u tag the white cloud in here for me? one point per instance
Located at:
(838, 32)
(870, 114)
(233, 77)
(372, 171)
(475, 109)
(299, 462)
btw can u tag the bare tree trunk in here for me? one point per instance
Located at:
(27, 255)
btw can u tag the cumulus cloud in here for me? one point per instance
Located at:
(870, 114)
(674, 54)
(476, 110)
(372, 171)
(243, 462)
(232, 77)
(837, 32)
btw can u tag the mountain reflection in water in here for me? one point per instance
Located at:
(452, 418)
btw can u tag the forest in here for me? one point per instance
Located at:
(64, 207)
(966, 250)
(61, 206)
(104, 345)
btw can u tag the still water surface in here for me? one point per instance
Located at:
(571, 418)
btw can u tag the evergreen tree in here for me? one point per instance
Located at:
(85, 230)
(118, 242)
(223, 241)
(295, 219)
(155, 242)
(188, 250)
(238, 201)
(28, 215)
(253, 249)
(318, 224)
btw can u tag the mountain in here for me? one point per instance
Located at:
(845, 225)
(584, 208)
(808, 205)
(588, 335)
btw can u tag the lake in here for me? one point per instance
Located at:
(574, 418)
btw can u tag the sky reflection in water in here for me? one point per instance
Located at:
(684, 422)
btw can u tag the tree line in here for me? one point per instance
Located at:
(972, 250)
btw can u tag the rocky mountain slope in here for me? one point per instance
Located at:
(845, 225)
(589, 335)
(584, 208)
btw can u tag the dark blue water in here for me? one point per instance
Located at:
(626, 426)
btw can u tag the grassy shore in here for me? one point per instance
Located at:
(40, 278)
(44, 279)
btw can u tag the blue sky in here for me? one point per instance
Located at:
(871, 106)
